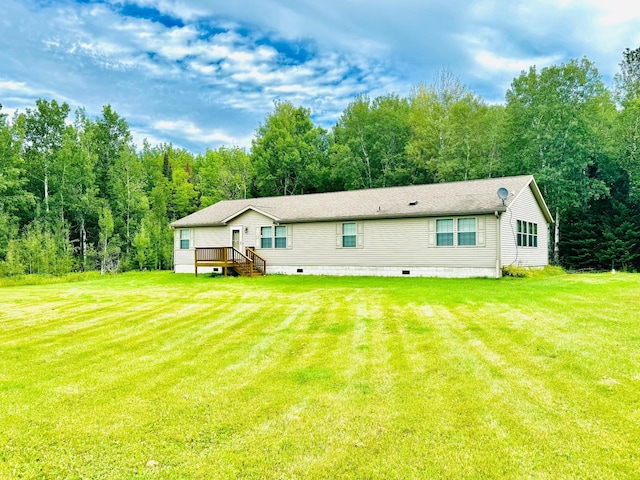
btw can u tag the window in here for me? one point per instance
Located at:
(350, 234)
(457, 232)
(444, 232)
(281, 236)
(466, 231)
(266, 240)
(273, 237)
(349, 231)
(519, 223)
(185, 237)
(527, 234)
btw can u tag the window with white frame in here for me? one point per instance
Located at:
(273, 237)
(280, 237)
(444, 232)
(527, 234)
(457, 232)
(266, 237)
(349, 235)
(185, 238)
(466, 232)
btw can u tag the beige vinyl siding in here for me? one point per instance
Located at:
(211, 237)
(183, 256)
(390, 242)
(399, 243)
(525, 207)
(249, 222)
(219, 236)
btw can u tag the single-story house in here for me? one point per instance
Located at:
(458, 229)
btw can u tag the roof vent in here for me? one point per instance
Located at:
(415, 202)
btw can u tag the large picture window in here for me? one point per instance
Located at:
(444, 232)
(185, 237)
(527, 234)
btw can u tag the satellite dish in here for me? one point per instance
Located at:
(503, 193)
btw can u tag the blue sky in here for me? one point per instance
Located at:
(204, 73)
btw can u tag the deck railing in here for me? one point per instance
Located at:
(211, 254)
(228, 257)
(259, 262)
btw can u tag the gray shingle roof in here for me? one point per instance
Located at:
(455, 198)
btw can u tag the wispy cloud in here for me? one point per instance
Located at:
(203, 74)
(197, 134)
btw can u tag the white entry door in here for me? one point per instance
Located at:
(236, 238)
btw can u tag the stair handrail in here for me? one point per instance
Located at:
(230, 256)
(259, 261)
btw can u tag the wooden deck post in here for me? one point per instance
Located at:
(195, 260)
(224, 259)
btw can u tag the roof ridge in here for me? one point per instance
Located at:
(379, 189)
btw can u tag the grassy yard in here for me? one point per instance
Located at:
(159, 375)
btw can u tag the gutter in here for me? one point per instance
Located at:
(498, 215)
(346, 218)
(392, 216)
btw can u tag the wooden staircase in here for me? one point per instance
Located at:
(248, 264)
(246, 269)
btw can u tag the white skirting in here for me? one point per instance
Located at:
(443, 272)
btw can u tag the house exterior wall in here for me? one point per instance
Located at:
(390, 247)
(524, 208)
(216, 237)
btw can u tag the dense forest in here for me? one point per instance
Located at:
(76, 194)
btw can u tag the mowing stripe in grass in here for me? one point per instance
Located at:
(303, 377)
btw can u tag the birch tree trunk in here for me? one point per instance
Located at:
(556, 239)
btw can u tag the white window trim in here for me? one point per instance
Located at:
(452, 232)
(528, 235)
(432, 232)
(359, 235)
(189, 239)
(457, 232)
(288, 237)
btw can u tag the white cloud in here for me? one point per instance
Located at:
(199, 134)
(493, 63)
(615, 12)
(219, 66)
(13, 86)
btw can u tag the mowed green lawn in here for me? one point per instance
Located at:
(157, 375)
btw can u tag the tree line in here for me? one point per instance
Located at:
(76, 194)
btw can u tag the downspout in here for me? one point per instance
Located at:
(498, 244)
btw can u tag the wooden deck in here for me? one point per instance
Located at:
(248, 264)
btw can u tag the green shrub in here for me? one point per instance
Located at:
(518, 271)
(514, 271)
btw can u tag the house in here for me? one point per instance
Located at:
(459, 229)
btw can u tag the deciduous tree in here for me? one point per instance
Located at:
(369, 143)
(43, 136)
(284, 149)
(223, 174)
(454, 134)
(558, 124)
